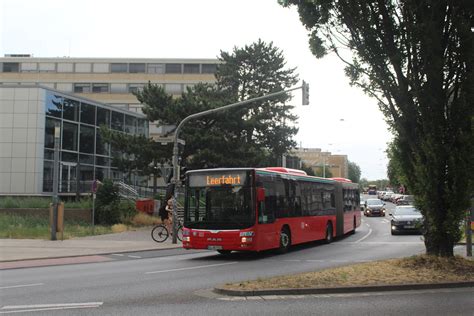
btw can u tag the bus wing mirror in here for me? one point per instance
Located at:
(260, 194)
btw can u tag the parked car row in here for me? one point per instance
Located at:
(395, 198)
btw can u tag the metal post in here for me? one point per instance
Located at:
(54, 227)
(175, 144)
(470, 216)
(324, 166)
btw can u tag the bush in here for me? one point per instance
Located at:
(127, 211)
(107, 204)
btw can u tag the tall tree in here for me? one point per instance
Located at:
(354, 172)
(255, 135)
(416, 59)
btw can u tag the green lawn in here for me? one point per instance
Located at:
(33, 227)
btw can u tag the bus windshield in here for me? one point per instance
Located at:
(223, 206)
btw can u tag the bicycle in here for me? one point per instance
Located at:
(160, 233)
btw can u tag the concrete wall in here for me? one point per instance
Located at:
(22, 121)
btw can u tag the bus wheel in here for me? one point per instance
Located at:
(285, 240)
(329, 236)
(353, 231)
(224, 252)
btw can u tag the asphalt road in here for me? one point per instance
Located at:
(179, 282)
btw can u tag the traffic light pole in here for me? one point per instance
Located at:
(175, 179)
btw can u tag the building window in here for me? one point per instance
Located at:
(11, 67)
(130, 124)
(68, 157)
(173, 68)
(134, 87)
(29, 67)
(71, 110)
(135, 68)
(191, 68)
(103, 117)
(117, 121)
(47, 67)
(83, 67)
(86, 159)
(118, 67)
(87, 113)
(70, 138)
(87, 138)
(156, 68)
(82, 88)
(100, 87)
(208, 68)
(100, 67)
(173, 88)
(54, 105)
(65, 67)
(49, 132)
(118, 87)
(101, 148)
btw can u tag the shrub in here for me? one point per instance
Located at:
(127, 210)
(107, 204)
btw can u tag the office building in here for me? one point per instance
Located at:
(110, 81)
(319, 160)
(28, 116)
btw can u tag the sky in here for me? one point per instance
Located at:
(340, 118)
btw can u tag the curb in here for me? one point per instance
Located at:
(89, 254)
(339, 290)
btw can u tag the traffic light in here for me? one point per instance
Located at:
(305, 89)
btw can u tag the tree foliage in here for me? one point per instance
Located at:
(255, 135)
(354, 172)
(416, 59)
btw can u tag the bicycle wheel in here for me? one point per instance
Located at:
(180, 233)
(159, 233)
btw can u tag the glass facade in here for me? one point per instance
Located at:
(84, 156)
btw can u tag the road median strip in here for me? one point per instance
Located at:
(339, 290)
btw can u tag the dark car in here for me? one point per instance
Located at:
(406, 218)
(374, 207)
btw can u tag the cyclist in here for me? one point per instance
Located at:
(167, 218)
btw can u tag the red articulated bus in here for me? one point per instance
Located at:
(255, 209)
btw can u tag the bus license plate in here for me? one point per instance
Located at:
(214, 247)
(409, 226)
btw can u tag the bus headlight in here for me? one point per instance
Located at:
(187, 238)
(246, 239)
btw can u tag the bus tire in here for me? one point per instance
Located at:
(353, 231)
(285, 240)
(329, 236)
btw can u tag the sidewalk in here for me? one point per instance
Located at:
(28, 249)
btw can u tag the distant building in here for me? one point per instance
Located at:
(107, 80)
(317, 159)
(28, 115)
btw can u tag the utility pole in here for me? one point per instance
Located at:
(57, 138)
(175, 180)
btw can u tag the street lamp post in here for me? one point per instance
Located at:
(175, 179)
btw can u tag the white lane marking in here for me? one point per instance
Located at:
(366, 235)
(46, 307)
(191, 268)
(118, 255)
(22, 285)
(136, 257)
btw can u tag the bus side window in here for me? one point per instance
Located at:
(266, 207)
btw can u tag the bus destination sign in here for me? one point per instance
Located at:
(217, 179)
